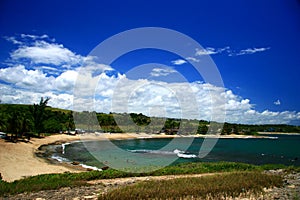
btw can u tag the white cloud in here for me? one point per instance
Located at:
(252, 50)
(192, 59)
(277, 103)
(156, 72)
(34, 37)
(66, 81)
(19, 96)
(37, 53)
(95, 90)
(47, 68)
(206, 51)
(28, 79)
(46, 53)
(179, 62)
(228, 50)
(13, 40)
(120, 94)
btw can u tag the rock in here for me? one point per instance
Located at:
(75, 163)
(90, 197)
(105, 168)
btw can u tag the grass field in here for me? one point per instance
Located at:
(231, 184)
(55, 181)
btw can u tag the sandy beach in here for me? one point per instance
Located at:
(277, 133)
(18, 160)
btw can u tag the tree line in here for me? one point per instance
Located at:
(32, 120)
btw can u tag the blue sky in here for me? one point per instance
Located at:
(254, 44)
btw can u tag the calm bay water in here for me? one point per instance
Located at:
(284, 150)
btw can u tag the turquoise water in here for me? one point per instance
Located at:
(154, 152)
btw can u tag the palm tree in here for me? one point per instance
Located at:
(3, 122)
(15, 125)
(38, 114)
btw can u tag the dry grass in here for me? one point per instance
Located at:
(217, 186)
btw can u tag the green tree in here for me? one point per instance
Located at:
(70, 122)
(52, 126)
(3, 122)
(15, 125)
(202, 129)
(38, 115)
(18, 125)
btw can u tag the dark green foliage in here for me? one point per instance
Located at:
(216, 186)
(20, 119)
(38, 118)
(41, 182)
(202, 129)
(39, 115)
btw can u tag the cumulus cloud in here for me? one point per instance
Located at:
(20, 96)
(42, 53)
(46, 53)
(188, 100)
(91, 88)
(66, 81)
(28, 79)
(120, 94)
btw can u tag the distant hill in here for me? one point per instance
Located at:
(57, 120)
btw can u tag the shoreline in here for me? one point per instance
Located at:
(19, 160)
(277, 133)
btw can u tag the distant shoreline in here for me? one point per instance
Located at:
(120, 136)
(277, 133)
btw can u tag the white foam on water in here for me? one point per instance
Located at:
(179, 153)
(63, 146)
(59, 159)
(90, 167)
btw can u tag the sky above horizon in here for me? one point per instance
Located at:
(255, 46)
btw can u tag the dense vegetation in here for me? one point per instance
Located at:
(55, 181)
(39, 118)
(32, 120)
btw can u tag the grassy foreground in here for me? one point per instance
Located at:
(231, 184)
(56, 181)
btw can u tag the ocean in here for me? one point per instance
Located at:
(128, 154)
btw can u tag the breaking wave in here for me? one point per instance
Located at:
(179, 153)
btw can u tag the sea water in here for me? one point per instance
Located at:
(278, 149)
